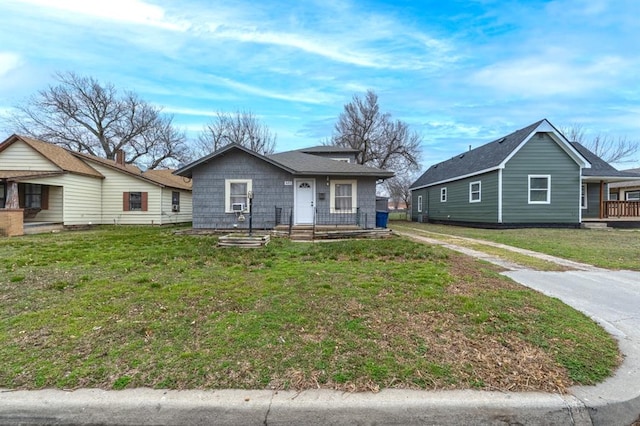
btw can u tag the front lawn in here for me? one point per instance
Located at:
(610, 248)
(121, 307)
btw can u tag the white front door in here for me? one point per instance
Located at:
(304, 205)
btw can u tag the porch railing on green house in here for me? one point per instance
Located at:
(619, 209)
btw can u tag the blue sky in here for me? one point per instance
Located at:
(459, 72)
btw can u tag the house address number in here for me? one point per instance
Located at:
(288, 182)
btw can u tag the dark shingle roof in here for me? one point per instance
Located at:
(329, 149)
(297, 162)
(312, 164)
(599, 167)
(487, 156)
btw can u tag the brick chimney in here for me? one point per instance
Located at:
(120, 157)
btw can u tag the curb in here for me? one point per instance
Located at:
(314, 407)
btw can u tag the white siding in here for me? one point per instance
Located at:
(20, 156)
(73, 199)
(185, 213)
(114, 185)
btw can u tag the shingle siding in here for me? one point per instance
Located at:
(269, 192)
(541, 156)
(268, 185)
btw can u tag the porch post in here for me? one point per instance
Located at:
(12, 201)
(601, 199)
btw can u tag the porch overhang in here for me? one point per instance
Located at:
(21, 175)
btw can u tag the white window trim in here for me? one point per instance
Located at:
(626, 195)
(354, 195)
(479, 191)
(443, 195)
(583, 200)
(548, 190)
(227, 193)
(419, 203)
(345, 160)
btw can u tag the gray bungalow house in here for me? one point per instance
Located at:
(316, 186)
(531, 177)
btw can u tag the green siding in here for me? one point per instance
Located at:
(541, 156)
(593, 201)
(415, 215)
(457, 207)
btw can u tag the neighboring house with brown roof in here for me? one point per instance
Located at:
(55, 185)
(316, 186)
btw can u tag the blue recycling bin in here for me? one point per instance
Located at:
(381, 219)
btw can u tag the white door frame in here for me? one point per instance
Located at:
(295, 200)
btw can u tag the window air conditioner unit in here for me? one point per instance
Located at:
(175, 208)
(237, 207)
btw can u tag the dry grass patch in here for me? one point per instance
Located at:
(132, 306)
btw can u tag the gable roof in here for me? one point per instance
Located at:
(492, 156)
(57, 155)
(157, 177)
(296, 162)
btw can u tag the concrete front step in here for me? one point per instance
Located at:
(595, 225)
(41, 228)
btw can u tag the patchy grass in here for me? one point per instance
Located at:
(523, 260)
(122, 307)
(611, 249)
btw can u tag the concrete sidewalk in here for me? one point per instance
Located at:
(609, 297)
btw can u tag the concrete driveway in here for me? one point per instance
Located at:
(612, 298)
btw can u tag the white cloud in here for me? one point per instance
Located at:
(128, 11)
(9, 61)
(540, 76)
(306, 96)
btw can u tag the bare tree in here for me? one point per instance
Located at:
(81, 114)
(398, 188)
(381, 141)
(241, 127)
(611, 150)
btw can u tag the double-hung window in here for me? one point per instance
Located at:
(32, 195)
(135, 201)
(583, 196)
(419, 203)
(237, 194)
(539, 189)
(343, 195)
(475, 195)
(443, 195)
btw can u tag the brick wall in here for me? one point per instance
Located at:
(11, 222)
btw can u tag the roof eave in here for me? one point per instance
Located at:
(453, 179)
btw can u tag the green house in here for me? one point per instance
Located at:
(531, 177)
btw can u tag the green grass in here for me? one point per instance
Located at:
(612, 249)
(122, 307)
